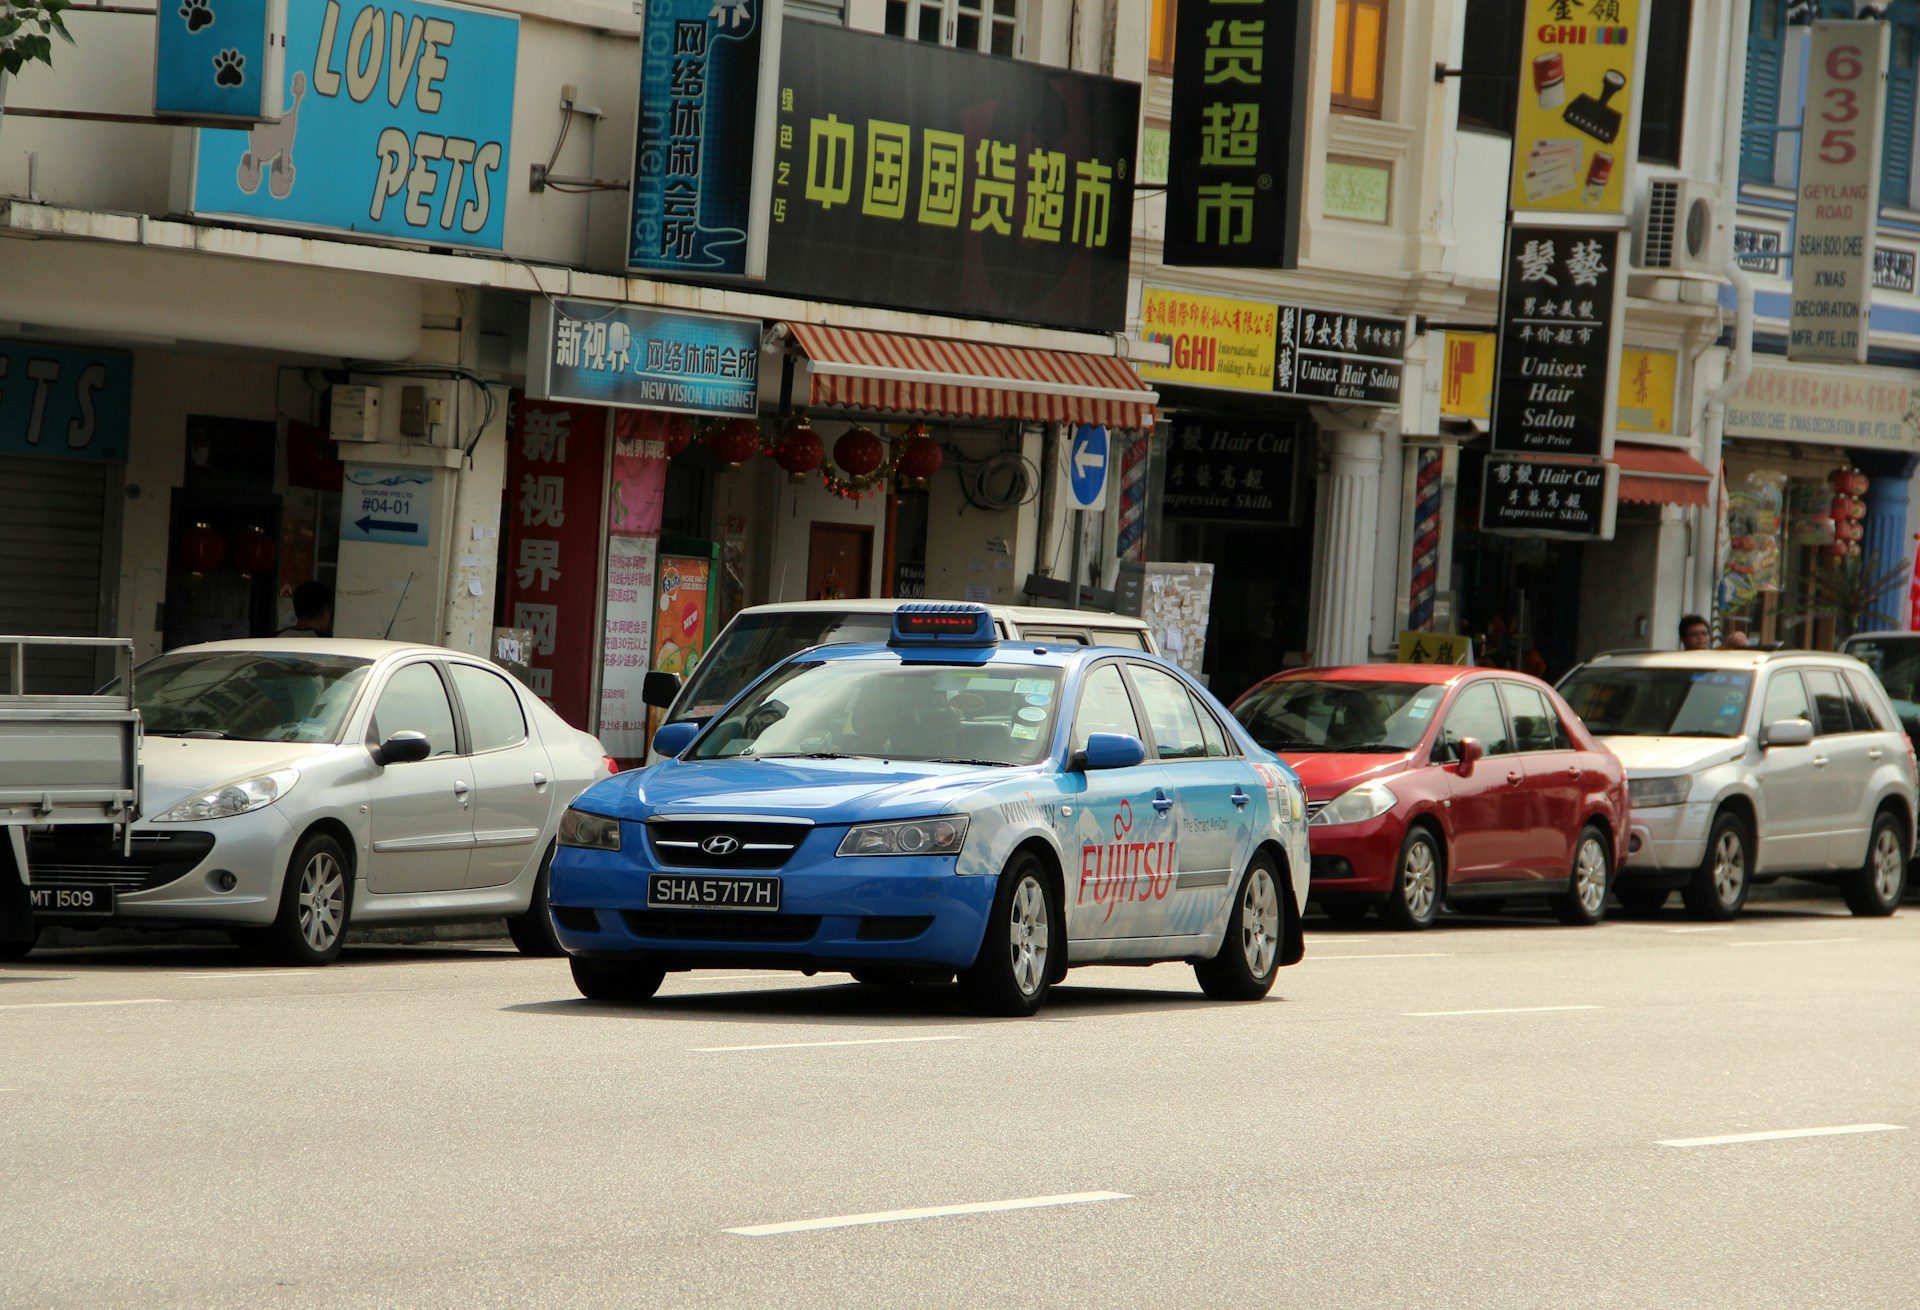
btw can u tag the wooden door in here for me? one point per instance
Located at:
(839, 561)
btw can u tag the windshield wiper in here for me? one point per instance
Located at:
(804, 755)
(200, 734)
(983, 764)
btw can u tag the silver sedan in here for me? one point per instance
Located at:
(291, 786)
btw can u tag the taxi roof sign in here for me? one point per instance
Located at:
(937, 623)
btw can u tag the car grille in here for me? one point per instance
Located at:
(683, 843)
(722, 926)
(1314, 807)
(88, 855)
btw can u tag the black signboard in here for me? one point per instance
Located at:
(1893, 269)
(1324, 355)
(1238, 137)
(913, 175)
(1549, 497)
(1757, 249)
(1232, 472)
(1559, 341)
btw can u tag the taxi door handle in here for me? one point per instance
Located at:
(1819, 761)
(1239, 797)
(1161, 802)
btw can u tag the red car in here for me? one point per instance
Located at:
(1434, 783)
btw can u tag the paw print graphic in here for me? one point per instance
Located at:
(198, 13)
(229, 68)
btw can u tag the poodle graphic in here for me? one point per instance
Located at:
(270, 147)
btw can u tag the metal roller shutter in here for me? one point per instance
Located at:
(52, 556)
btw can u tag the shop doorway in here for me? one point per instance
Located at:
(55, 540)
(839, 561)
(210, 594)
(1518, 598)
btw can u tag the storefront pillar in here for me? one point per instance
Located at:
(1886, 546)
(1345, 554)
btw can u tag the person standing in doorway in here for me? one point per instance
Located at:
(312, 611)
(1695, 634)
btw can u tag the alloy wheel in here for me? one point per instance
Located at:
(1590, 874)
(322, 898)
(1729, 868)
(1260, 922)
(1888, 864)
(1029, 935)
(1419, 879)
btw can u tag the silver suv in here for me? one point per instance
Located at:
(1744, 766)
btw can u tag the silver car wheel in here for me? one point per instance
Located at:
(1590, 874)
(1888, 864)
(1260, 922)
(1419, 879)
(1030, 935)
(1729, 867)
(322, 901)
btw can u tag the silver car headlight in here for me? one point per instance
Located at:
(1652, 793)
(944, 836)
(1369, 800)
(593, 832)
(234, 798)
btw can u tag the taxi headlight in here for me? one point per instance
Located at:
(1369, 800)
(944, 836)
(234, 798)
(1652, 793)
(594, 832)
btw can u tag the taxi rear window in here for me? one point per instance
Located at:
(992, 715)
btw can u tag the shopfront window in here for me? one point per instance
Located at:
(1792, 575)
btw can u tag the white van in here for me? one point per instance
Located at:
(761, 636)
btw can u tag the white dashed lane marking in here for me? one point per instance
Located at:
(927, 1212)
(83, 1005)
(1783, 1134)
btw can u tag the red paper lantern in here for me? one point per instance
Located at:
(799, 451)
(920, 457)
(1837, 551)
(1856, 510)
(1840, 480)
(201, 549)
(1857, 483)
(1853, 550)
(1838, 510)
(859, 452)
(676, 434)
(737, 442)
(253, 552)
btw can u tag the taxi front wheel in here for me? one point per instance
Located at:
(1012, 974)
(617, 981)
(1250, 953)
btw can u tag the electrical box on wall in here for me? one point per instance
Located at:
(355, 413)
(413, 412)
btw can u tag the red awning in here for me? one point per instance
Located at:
(888, 373)
(1660, 475)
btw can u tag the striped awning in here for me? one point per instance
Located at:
(1660, 475)
(888, 373)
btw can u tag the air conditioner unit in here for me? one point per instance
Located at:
(354, 413)
(1676, 229)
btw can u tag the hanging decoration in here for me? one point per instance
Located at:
(676, 434)
(1847, 511)
(798, 450)
(253, 552)
(735, 442)
(920, 458)
(866, 463)
(201, 548)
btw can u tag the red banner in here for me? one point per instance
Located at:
(556, 466)
(639, 476)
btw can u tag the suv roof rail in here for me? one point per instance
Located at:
(1624, 650)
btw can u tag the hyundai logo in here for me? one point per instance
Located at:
(720, 844)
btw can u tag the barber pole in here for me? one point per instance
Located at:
(1132, 542)
(1426, 538)
(1913, 594)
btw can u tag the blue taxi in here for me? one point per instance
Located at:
(942, 804)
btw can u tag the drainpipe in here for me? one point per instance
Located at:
(1706, 548)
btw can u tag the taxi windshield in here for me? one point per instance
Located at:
(997, 714)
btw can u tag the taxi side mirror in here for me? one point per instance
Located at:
(1108, 750)
(674, 738)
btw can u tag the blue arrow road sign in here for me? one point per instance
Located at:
(1087, 467)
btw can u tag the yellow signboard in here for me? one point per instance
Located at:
(1578, 123)
(1644, 401)
(1466, 386)
(1435, 648)
(1215, 342)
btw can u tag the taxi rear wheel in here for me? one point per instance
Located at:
(1250, 952)
(617, 981)
(1014, 970)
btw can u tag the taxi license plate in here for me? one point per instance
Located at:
(694, 891)
(91, 901)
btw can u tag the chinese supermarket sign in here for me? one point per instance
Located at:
(556, 462)
(913, 175)
(1238, 134)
